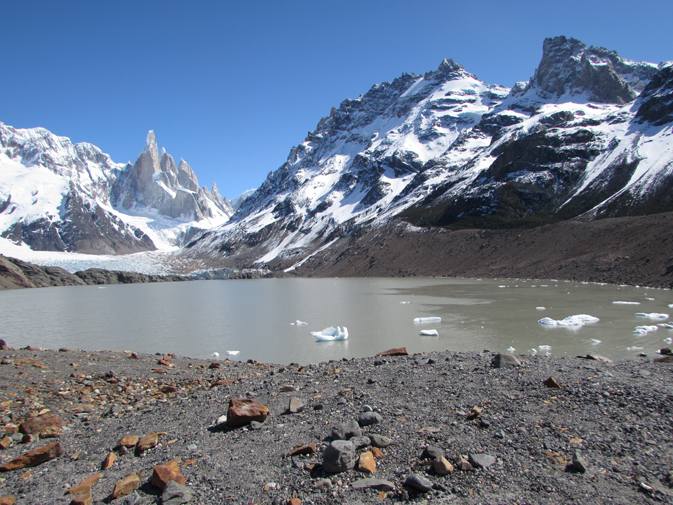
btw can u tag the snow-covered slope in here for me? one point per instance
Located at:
(60, 196)
(589, 135)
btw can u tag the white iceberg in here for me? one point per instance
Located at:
(510, 350)
(215, 355)
(429, 333)
(404, 303)
(577, 320)
(233, 353)
(533, 351)
(595, 341)
(625, 303)
(668, 340)
(634, 348)
(544, 347)
(330, 334)
(540, 308)
(298, 323)
(642, 330)
(428, 320)
(652, 315)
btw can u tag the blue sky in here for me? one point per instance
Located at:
(232, 86)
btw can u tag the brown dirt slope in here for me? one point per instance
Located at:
(627, 250)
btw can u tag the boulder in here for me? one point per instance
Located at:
(242, 411)
(126, 485)
(339, 456)
(500, 360)
(163, 474)
(397, 351)
(34, 457)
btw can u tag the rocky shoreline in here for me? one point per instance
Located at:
(443, 427)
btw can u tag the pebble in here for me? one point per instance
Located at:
(442, 466)
(418, 483)
(369, 418)
(432, 452)
(339, 456)
(176, 494)
(379, 441)
(481, 460)
(380, 484)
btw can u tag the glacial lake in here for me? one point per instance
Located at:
(254, 317)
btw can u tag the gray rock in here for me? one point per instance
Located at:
(346, 431)
(176, 494)
(339, 456)
(322, 484)
(432, 452)
(578, 464)
(499, 434)
(360, 442)
(481, 460)
(132, 499)
(256, 425)
(418, 483)
(295, 405)
(379, 441)
(500, 360)
(369, 418)
(380, 484)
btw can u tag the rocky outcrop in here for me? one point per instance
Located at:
(15, 273)
(657, 98)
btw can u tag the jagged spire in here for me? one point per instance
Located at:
(448, 65)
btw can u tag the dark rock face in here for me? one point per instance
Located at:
(657, 99)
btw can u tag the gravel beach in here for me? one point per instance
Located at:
(428, 428)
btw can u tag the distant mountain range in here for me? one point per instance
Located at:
(589, 136)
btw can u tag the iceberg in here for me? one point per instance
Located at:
(544, 347)
(510, 350)
(652, 315)
(298, 323)
(429, 333)
(330, 334)
(642, 330)
(577, 320)
(625, 303)
(215, 355)
(233, 353)
(428, 320)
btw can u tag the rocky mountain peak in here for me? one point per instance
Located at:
(448, 65)
(569, 67)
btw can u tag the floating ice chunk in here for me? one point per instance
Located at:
(595, 341)
(540, 308)
(330, 334)
(670, 305)
(642, 330)
(634, 348)
(503, 286)
(429, 333)
(652, 315)
(544, 347)
(577, 320)
(215, 355)
(668, 340)
(625, 303)
(298, 323)
(233, 353)
(650, 298)
(666, 325)
(533, 351)
(404, 303)
(510, 350)
(428, 320)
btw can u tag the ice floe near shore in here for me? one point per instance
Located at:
(428, 320)
(652, 315)
(625, 303)
(429, 333)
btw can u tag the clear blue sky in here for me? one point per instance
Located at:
(232, 86)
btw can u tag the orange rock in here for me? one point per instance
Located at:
(302, 449)
(129, 441)
(86, 483)
(294, 501)
(10, 429)
(376, 452)
(45, 426)
(26, 475)
(5, 443)
(147, 442)
(367, 464)
(83, 497)
(242, 412)
(163, 474)
(126, 485)
(397, 351)
(7, 500)
(34, 457)
(109, 461)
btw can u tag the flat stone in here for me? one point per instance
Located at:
(397, 351)
(176, 494)
(481, 460)
(295, 405)
(147, 442)
(360, 442)
(462, 463)
(163, 474)
(369, 418)
(418, 483)
(109, 461)
(339, 456)
(242, 411)
(380, 441)
(34, 457)
(442, 466)
(126, 485)
(86, 483)
(380, 484)
(288, 388)
(129, 441)
(345, 431)
(303, 450)
(133, 499)
(83, 497)
(500, 360)
(367, 463)
(552, 383)
(44, 426)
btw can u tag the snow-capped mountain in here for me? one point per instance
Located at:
(60, 196)
(590, 135)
